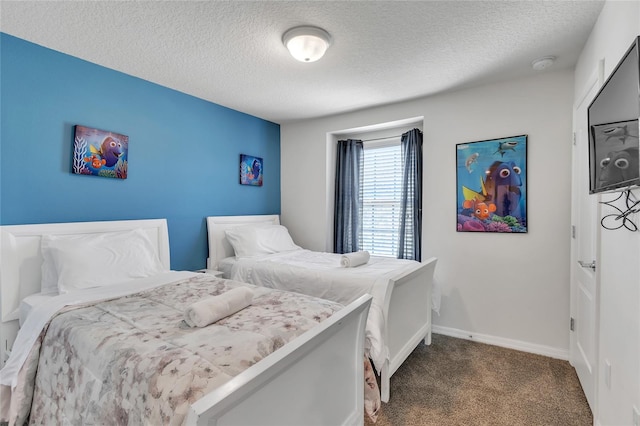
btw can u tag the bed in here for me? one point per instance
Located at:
(294, 369)
(400, 314)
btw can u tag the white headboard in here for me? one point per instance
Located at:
(21, 260)
(219, 247)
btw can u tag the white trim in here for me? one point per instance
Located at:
(408, 122)
(594, 79)
(382, 142)
(504, 343)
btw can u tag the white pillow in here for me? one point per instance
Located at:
(275, 239)
(95, 260)
(252, 241)
(243, 239)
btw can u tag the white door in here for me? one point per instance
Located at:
(585, 235)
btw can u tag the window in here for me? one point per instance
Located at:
(381, 196)
(378, 196)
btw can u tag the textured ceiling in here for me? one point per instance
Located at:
(231, 53)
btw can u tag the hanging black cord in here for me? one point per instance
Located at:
(610, 221)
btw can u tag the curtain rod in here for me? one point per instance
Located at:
(379, 139)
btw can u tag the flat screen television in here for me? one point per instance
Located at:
(613, 128)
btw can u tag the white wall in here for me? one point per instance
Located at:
(511, 290)
(619, 261)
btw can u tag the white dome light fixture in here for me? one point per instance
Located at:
(306, 43)
(543, 63)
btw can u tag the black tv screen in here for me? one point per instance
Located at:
(613, 128)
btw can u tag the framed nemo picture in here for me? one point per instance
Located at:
(491, 181)
(250, 170)
(100, 153)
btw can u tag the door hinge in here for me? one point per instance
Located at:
(573, 232)
(572, 325)
(574, 138)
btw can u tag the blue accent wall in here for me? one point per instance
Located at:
(184, 152)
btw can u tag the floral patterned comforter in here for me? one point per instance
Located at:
(133, 360)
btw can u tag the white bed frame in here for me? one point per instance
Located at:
(407, 305)
(316, 379)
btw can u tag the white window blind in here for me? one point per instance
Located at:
(381, 194)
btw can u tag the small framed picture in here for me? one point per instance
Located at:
(250, 170)
(491, 181)
(100, 153)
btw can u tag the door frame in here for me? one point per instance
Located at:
(595, 79)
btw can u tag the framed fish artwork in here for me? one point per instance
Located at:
(491, 182)
(250, 170)
(100, 153)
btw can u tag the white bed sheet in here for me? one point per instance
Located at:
(321, 275)
(30, 302)
(42, 312)
(225, 266)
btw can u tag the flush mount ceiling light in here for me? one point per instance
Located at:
(306, 44)
(543, 63)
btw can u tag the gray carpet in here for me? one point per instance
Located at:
(460, 382)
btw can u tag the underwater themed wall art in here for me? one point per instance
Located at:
(250, 170)
(491, 182)
(100, 153)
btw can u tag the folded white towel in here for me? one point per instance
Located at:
(357, 258)
(212, 309)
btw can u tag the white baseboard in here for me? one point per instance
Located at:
(505, 343)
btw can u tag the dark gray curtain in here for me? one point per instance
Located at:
(410, 235)
(348, 197)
